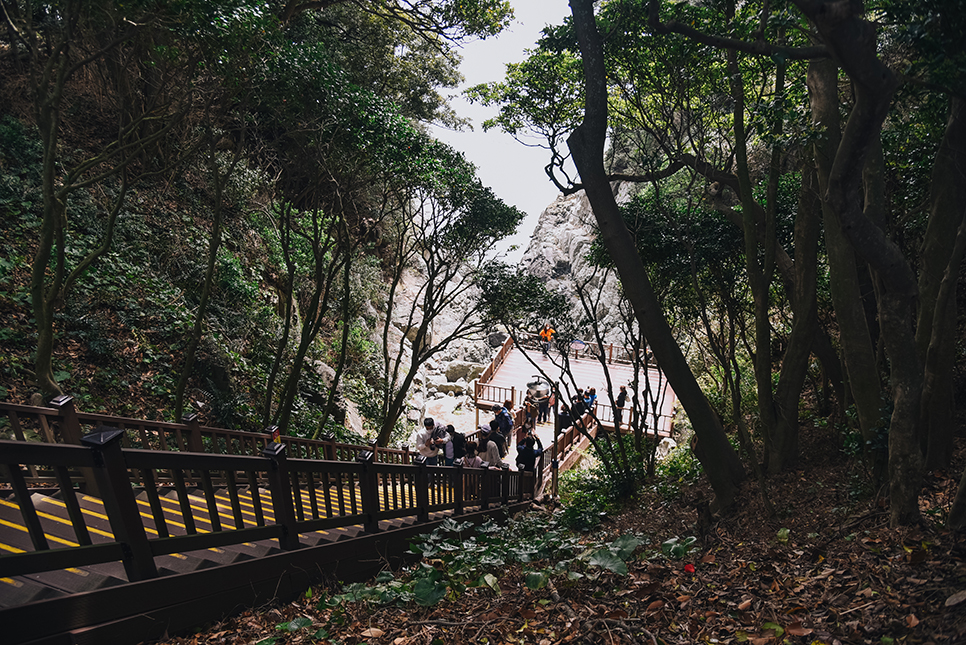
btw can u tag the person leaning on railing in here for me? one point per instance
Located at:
(430, 439)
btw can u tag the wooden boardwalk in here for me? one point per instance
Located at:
(509, 381)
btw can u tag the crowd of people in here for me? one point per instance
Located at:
(436, 440)
(443, 444)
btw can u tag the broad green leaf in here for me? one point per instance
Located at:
(668, 545)
(624, 546)
(428, 593)
(783, 535)
(607, 559)
(537, 580)
(384, 577)
(298, 623)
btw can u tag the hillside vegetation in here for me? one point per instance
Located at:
(207, 206)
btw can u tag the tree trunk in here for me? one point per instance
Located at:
(804, 308)
(852, 42)
(213, 244)
(946, 213)
(857, 349)
(720, 461)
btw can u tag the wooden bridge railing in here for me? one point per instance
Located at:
(62, 423)
(306, 495)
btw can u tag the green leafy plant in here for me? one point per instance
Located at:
(678, 548)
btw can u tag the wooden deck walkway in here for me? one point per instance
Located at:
(509, 381)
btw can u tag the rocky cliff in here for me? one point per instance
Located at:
(558, 251)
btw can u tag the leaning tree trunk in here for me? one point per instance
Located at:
(720, 461)
(791, 379)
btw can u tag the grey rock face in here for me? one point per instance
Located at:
(558, 250)
(496, 339)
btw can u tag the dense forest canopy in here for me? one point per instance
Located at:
(798, 219)
(801, 167)
(214, 190)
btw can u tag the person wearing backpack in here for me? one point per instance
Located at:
(503, 419)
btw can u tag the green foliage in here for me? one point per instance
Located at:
(586, 498)
(518, 299)
(457, 557)
(680, 468)
(21, 154)
(678, 548)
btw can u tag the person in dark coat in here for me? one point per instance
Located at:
(527, 454)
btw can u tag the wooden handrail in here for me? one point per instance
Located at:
(305, 495)
(63, 424)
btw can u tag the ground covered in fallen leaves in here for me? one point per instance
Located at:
(826, 569)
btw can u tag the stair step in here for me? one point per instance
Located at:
(74, 580)
(19, 591)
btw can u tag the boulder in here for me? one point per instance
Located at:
(664, 448)
(458, 370)
(353, 419)
(496, 339)
(459, 387)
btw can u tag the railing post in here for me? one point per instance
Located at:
(329, 447)
(458, 485)
(505, 484)
(369, 489)
(278, 484)
(70, 430)
(190, 421)
(406, 458)
(422, 490)
(485, 485)
(114, 482)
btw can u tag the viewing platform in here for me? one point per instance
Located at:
(512, 368)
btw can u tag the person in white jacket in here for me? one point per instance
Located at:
(430, 439)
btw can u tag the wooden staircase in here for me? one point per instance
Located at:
(59, 531)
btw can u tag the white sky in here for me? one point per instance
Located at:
(514, 171)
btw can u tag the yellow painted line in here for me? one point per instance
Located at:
(60, 520)
(151, 517)
(12, 549)
(52, 538)
(11, 581)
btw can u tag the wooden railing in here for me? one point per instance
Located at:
(62, 423)
(587, 350)
(306, 495)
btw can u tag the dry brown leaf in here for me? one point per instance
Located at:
(956, 598)
(796, 629)
(744, 605)
(656, 605)
(911, 620)
(372, 632)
